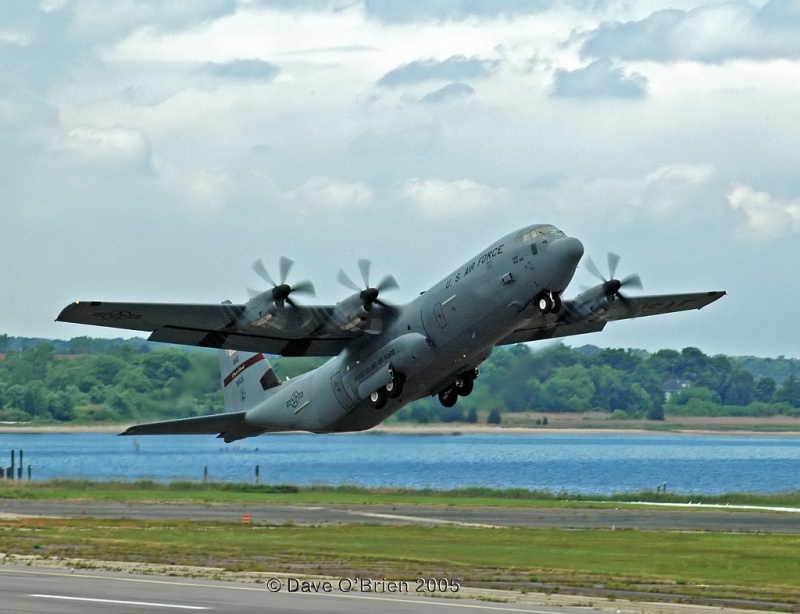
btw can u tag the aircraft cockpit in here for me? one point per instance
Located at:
(534, 232)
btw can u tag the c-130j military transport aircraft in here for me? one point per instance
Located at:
(384, 356)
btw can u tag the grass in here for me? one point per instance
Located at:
(353, 495)
(708, 564)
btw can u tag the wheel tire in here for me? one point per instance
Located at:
(545, 303)
(556, 304)
(395, 388)
(464, 386)
(378, 398)
(448, 397)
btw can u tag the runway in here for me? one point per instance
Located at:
(530, 517)
(52, 591)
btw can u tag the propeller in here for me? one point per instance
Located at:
(612, 286)
(280, 292)
(368, 294)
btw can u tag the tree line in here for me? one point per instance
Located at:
(87, 381)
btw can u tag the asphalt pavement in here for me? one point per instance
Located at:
(561, 518)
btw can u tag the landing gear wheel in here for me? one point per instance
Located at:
(448, 397)
(556, 304)
(464, 386)
(545, 303)
(378, 398)
(395, 388)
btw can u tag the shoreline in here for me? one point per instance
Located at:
(690, 426)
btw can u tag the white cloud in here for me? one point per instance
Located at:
(118, 147)
(766, 217)
(14, 37)
(711, 32)
(666, 192)
(438, 198)
(329, 193)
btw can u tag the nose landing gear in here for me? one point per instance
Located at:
(548, 302)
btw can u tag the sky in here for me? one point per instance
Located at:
(152, 151)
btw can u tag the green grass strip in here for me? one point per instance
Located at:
(284, 493)
(720, 559)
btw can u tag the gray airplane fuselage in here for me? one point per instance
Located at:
(444, 333)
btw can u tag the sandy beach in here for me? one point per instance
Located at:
(522, 423)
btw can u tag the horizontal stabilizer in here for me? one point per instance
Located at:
(229, 427)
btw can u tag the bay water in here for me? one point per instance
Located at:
(600, 463)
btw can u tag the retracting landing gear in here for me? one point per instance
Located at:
(395, 388)
(548, 302)
(392, 390)
(462, 387)
(378, 398)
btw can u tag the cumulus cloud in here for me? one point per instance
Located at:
(451, 91)
(600, 79)
(329, 193)
(765, 217)
(665, 192)
(116, 148)
(457, 67)
(409, 11)
(247, 69)
(711, 33)
(439, 198)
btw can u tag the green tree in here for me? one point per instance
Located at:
(739, 389)
(570, 389)
(765, 389)
(494, 417)
(789, 392)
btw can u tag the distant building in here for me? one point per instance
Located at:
(674, 386)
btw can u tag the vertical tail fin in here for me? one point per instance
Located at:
(246, 378)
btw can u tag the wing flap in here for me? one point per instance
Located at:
(216, 326)
(642, 306)
(230, 427)
(151, 316)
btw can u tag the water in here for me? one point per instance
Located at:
(575, 463)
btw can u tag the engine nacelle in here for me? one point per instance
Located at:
(350, 313)
(594, 301)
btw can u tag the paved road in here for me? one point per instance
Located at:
(622, 518)
(52, 591)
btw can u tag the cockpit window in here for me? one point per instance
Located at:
(530, 234)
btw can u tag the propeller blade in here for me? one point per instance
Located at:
(261, 271)
(592, 268)
(365, 265)
(252, 293)
(625, 301)
(632, 281)
(388, 283)
(343, 279)
(304, 287)
(285, 266)
(613, 261)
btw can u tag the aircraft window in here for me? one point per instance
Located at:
(545, 229)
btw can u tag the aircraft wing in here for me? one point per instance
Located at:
(574, 320)
(230, 427)
(294, 331)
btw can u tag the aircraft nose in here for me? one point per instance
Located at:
(567, 250)
(563, 256)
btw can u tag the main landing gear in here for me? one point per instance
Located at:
(392, 390)
(462, 387)
(548, 302)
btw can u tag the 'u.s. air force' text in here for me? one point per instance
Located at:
(477, 263)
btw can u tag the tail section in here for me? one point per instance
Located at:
(246, 378)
